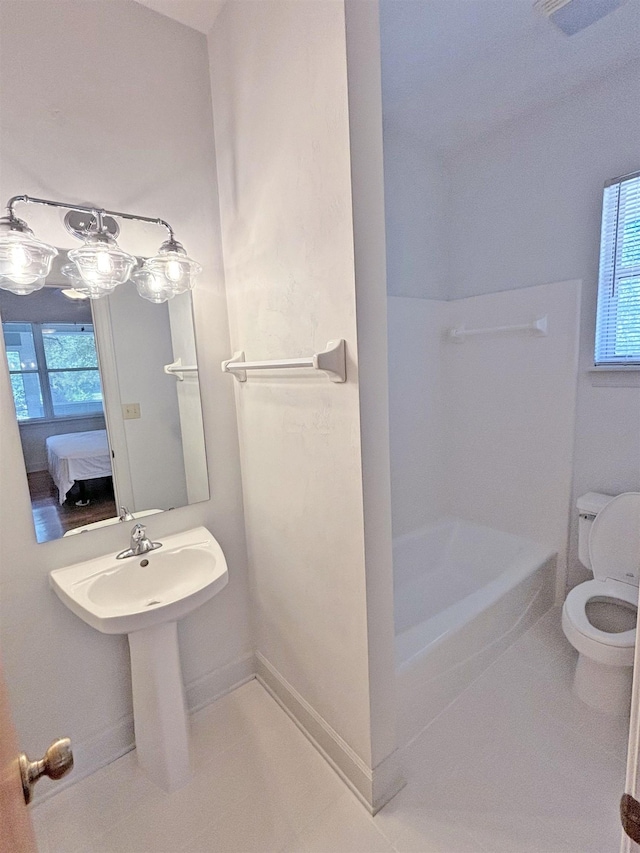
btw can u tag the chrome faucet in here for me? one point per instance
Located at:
(139, 545)
(125, 515)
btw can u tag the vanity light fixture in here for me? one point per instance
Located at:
(25, 261)
(155, 288)
(77, 288)
(168, 273)
(94, 290)
(72, 293)
(102, 264)
(99, 265)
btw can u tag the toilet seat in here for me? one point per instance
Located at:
(614, 541)
(614, 552)
(575, 609)
(603, 673)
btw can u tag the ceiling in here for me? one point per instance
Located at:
(453, 70)
(197, 14)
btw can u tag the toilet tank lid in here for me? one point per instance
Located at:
(593, 502)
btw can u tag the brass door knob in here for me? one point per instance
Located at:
(57, 762)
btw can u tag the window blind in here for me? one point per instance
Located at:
(618, 317)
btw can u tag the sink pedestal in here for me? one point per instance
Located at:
(144, 597)
(159, 708)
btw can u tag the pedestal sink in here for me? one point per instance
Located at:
(144, 597)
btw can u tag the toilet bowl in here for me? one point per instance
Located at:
(599, 615)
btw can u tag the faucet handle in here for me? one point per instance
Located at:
(138, 533)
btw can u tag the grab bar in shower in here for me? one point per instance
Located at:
(331, 361)
(539, 327)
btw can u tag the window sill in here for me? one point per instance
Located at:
(615, 375)
(61, 419)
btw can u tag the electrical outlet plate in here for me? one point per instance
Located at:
(130, 410)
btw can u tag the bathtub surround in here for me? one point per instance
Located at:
(417, 429)
(545, 223)
(510, 422)
(63, 141)
(316, 496)
(481, 452)
(520, 204)
(490, 420)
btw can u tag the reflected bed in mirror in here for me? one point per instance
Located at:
(102, 425)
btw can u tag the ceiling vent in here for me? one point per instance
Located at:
(571, 16)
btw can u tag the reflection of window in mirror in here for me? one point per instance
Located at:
(101, 423)
(53, 369)
(57, 394)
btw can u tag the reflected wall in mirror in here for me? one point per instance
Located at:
(102, 424)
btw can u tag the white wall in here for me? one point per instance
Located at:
(528, 202)
(279, 81)
(142, 343)
(189, 398)
(416, 200)
(118, 113)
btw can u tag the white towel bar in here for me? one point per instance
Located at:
(178, 369)
(331, 361)
(538, 327)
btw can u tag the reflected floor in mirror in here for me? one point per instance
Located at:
(53, 520)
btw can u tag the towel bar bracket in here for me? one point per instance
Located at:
(178, 369)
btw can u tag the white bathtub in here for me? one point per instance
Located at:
(463, 593)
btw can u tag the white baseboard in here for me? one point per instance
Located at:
(90, 755)
(374, 787)
(219, 682)
(118, 739)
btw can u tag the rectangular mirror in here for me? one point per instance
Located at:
(107, 418)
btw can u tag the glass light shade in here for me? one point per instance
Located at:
(72, 293)
(172, 264)
(151, 286)
(93, 291)
(101, 263)
(24, 261)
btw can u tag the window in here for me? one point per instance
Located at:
(618, 320)
(54, 370)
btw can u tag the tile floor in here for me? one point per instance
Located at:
(515, 765)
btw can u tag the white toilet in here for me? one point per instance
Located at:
(599, 615)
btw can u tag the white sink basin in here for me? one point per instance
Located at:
(144, 597)
(121, 596)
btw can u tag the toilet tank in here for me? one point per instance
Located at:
(588, 506)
